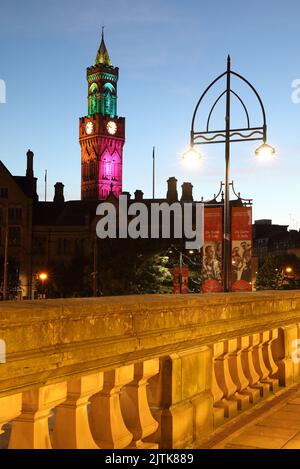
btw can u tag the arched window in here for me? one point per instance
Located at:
(107, 168)
(109, 100)
(93, 99)
(116, 170)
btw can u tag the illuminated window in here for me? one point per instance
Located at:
(109, 106)
(93, 99)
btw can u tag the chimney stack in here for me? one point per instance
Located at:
(187, 192)
(128, 195)
(29, 170)
(138, 195)
(30, 179)
(59, 193)
(172, 195)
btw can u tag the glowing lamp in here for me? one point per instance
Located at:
(265, 151)
(191, 157)
(43, 276)
(289, 270)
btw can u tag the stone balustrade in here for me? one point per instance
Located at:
(153, 371)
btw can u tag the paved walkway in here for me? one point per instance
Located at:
(275, 424)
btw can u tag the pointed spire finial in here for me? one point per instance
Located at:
(102, 56)
(228, 63)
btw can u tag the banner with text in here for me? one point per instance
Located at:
(181, 279)
(241, 249)
(212, 251)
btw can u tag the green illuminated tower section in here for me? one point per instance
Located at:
(101, 132)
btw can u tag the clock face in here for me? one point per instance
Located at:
(89, 127)
(111, 127)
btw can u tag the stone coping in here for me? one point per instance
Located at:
(51, 340)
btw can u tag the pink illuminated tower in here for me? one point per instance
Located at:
(101, 132)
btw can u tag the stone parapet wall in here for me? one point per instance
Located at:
(141, 371)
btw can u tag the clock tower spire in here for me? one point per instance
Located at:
(101, 132)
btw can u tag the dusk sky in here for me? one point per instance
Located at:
(168, 51)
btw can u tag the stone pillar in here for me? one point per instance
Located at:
(31, 429)
(186, 402)
(284, 347)
(10, 408)
(107, 424)
(72, 430)
(135, 408)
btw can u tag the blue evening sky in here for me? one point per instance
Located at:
(167, 52)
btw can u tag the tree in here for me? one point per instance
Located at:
(273, 275)
(132, 267)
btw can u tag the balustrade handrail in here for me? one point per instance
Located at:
(49, 341)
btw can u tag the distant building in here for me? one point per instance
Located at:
(47, 235)
(274, 239)
(57, 234)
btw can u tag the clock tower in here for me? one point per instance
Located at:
(101, 132)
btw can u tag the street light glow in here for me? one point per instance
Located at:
(192, 158)
(265, 151)
(289, 270)
(43, 276)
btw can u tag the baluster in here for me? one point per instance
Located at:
(224, 377)
(268, 353)
(248, 360)
(155, 397)
(107, 424)
(135, 408)
(72, 430)
(217, 393)
(223, 386)
(235, 370)
(239, 373)
(10, 408)
(31, 430)
(260, 367)
(266, 358)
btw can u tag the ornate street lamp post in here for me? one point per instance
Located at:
(43, 277)
(227, 136)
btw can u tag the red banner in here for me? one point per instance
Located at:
(184, 279)
(241, 249)
(212, 251)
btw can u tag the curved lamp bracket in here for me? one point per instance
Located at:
(236, 135)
